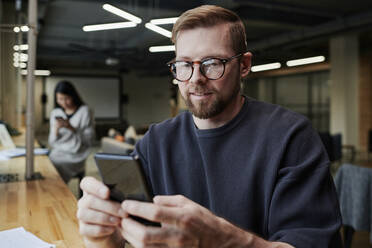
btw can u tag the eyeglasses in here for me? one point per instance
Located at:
(211, 68)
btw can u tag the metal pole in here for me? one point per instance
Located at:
(19, 78)
(31, 38)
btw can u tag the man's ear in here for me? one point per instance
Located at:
(245, 64)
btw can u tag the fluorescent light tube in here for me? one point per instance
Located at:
(25, 28)
(20, 47)
(23, 57)
(162, 21)
(41, 72)
(122, 13)
(37, 72)
(107, 26)
(20, 57)
(159, 30)
(23, 47)
(305, 61)
(266, 67)
(156, 49)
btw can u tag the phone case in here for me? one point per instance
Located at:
(114, 170)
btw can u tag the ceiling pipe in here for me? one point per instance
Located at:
(287, 8)
(339, 25)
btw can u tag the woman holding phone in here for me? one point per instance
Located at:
(71, 131)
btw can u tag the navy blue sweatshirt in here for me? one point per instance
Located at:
(265, 171)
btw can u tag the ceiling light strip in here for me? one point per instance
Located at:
(21, 28)
(163, 21)
(305, 61)
(122, 13)
(38, 72)
(156, 49)
(159, 30)
(107, 26)
(266, 67)
(22, 47)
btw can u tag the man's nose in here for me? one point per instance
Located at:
(197, 77)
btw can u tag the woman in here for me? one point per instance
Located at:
(71, 131)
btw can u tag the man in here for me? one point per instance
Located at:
(234, 172)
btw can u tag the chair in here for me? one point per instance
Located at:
(78, 174)
(354, 189)
(369, 143)
(332, 144)
(80, 177)
(336, 141)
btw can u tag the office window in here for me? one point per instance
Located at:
(306, 93)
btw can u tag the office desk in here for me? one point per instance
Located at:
(46, 208)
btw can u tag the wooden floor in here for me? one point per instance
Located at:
(361, 240)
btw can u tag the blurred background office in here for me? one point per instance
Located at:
(311, 56)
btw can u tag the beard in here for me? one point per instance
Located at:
(206, 109)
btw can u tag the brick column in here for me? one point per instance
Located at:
(344, 88)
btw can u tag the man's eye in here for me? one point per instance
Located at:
(211, 62)
(183, 65)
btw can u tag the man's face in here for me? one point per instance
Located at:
(207, 98)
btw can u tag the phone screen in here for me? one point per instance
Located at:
(124, 176)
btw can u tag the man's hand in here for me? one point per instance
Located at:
(99, 218)
(184, 224)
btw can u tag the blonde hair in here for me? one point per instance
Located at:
(209, 16)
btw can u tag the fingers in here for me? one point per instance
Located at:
(171, 200)
(96, 231)
(179, 217)
(92, 202)
(98, 216)
(95, 217)
(150, 211)
(92, 186)
(139, 235)
(144, 236)
(134, 232)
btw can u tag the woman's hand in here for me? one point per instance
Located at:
(99, 218)
(64, 123)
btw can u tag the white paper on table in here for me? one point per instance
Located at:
(5, 138)
(19, 238)
(16, 152)
(3, 158)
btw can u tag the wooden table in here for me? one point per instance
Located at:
(46, 207)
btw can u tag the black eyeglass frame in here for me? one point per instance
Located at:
(191, 63)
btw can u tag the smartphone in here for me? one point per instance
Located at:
(60, 118)
(125, 178)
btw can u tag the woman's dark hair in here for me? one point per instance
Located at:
(66, 88)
